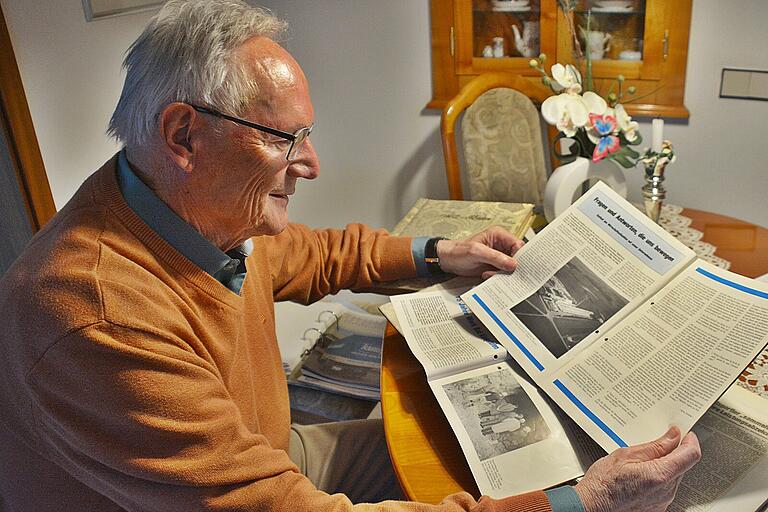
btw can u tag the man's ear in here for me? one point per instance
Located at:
(177, 128)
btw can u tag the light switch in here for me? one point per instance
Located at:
(735, 83)
(745, 84)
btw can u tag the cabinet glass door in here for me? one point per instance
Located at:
(503, 34)
(621, 36)
(612, 29)
(505, 28)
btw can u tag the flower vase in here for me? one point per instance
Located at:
(565, 184)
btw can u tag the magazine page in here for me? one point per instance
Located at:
(458, 284)
(579, 276)
(510, 436)
(733, 471)
(669, 361)
(443, 334)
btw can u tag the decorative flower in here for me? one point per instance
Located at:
(595, 104)
(656, 162)
(566, 78)
(603, 129)
(599, 127)
(627, 125)
(568, 112)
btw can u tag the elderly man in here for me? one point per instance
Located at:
(139, 366)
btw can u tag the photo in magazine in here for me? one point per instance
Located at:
(570, 305)
(497, 414)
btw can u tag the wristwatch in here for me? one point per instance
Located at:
(431, 259)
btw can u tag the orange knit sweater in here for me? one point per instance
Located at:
(132, 380)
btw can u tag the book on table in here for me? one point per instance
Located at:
(607, 316)
(458, 220)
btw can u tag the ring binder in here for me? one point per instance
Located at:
(341, 354)
(304, 336)
(328, 312)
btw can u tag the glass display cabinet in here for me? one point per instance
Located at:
(503, 35)
(646, 41)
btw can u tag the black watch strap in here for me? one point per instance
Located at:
(431, 258)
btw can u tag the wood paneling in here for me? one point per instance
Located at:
(23, 148)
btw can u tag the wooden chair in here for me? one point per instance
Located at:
(510, 111)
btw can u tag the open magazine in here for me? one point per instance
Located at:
(620, 324)
(489, 404)
(512, 438)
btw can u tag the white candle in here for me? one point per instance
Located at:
(657, 134)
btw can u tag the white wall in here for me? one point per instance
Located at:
(71, 74)
(368, 64)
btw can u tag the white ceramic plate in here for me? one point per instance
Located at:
(612, 9)
(621, 4)
(511, 8)
(515, 6)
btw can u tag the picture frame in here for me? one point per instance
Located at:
(100, 9)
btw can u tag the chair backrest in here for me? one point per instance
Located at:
(501, 132)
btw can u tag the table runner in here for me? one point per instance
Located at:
(680, 227)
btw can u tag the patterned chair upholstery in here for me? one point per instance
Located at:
(501, 140)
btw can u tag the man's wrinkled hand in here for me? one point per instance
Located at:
(639, 478)
(482, 255)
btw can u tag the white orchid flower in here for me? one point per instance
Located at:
(625, 122)
(566, 111)
(566, 78)
(595, 103)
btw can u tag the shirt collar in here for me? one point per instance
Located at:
(177, 232)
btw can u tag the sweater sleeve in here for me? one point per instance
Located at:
(307, 265)
(148, 423)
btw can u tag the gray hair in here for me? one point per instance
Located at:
(186, 54)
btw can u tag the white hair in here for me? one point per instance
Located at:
(186, 54)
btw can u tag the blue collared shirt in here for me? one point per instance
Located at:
(564, 499)
(227, 268)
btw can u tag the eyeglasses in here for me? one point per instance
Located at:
(296, 139)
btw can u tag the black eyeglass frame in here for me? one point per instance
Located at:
(296, 139)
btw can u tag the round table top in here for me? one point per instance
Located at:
(426, 455)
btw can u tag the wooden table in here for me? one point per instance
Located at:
(426, 456)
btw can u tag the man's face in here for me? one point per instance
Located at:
(251, 179)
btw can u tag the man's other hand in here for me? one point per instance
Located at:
(482, 255)
(643, 477)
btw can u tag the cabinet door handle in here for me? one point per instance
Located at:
(666, 44)
(452, 43)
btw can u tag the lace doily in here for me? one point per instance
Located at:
(755, 377)
(679, 226)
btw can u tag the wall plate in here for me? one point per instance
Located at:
(744, 84)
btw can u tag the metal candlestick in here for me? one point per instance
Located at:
(653, 190)
(653, 194)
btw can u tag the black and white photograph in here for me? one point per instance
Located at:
(571, 304)
(496, 413)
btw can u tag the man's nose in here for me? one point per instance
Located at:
(305, 164)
